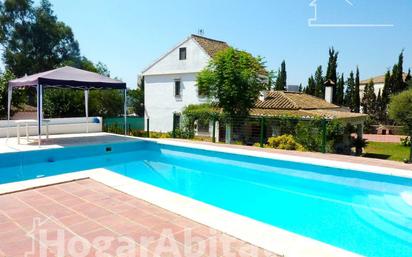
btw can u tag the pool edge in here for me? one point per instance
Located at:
(366, 168)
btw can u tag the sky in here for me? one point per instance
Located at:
(128, 35)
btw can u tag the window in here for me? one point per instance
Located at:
(176, 120)
(182, 53)
(177, 88)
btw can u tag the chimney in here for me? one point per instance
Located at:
(329, 86)
(263, 95)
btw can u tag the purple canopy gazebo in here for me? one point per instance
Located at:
(65, 77)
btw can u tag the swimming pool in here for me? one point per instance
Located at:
(365, 213)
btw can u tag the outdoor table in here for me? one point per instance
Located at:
(27, 123)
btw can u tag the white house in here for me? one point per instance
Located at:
(170, 82)
(378, 83)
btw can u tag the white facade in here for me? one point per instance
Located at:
(376, 87)
(161, 102)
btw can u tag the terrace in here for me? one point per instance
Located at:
(88, 204)
(85, 209)
(82, 209)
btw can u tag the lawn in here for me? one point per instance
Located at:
(389, 151)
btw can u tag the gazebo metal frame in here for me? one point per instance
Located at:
(65, 77)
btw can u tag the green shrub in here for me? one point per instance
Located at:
(159, 135)
(285, 142)
(309, 135)
(400, 110)
(406, 141)
(338, 138)
(182, 133)
(143, 133)
(202, 113)
(138, 133)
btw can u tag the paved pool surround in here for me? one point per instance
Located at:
(291, 245)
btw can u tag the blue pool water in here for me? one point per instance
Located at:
(364, 213)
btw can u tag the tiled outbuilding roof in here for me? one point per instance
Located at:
(338, 114)
(281, 103)
(310, 114)
(379, 79)
(292, 101)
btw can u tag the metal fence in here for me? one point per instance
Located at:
(319, 135)
(315, 135)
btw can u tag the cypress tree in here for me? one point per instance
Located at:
(399, 76)
(369, 99)
(300, 89)
(394, 80)
(271, 82)
(380, 108)
(340, 90)
(387, 88)
(310, 88)
(281, 80)
(319, 83)
(385, 97)
(350, 92)
(331, 72)
(398, 82)
(332, 65)
(356, 97)
(408, 80)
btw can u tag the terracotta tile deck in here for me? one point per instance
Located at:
(383, 138)
(86, 218)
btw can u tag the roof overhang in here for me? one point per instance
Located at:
(328, 114)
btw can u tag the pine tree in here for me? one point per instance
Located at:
(350, 92)
(340, 90)
(281, 80)
(356, 97)
(300, 89)
(369, 99)
(319, 83)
